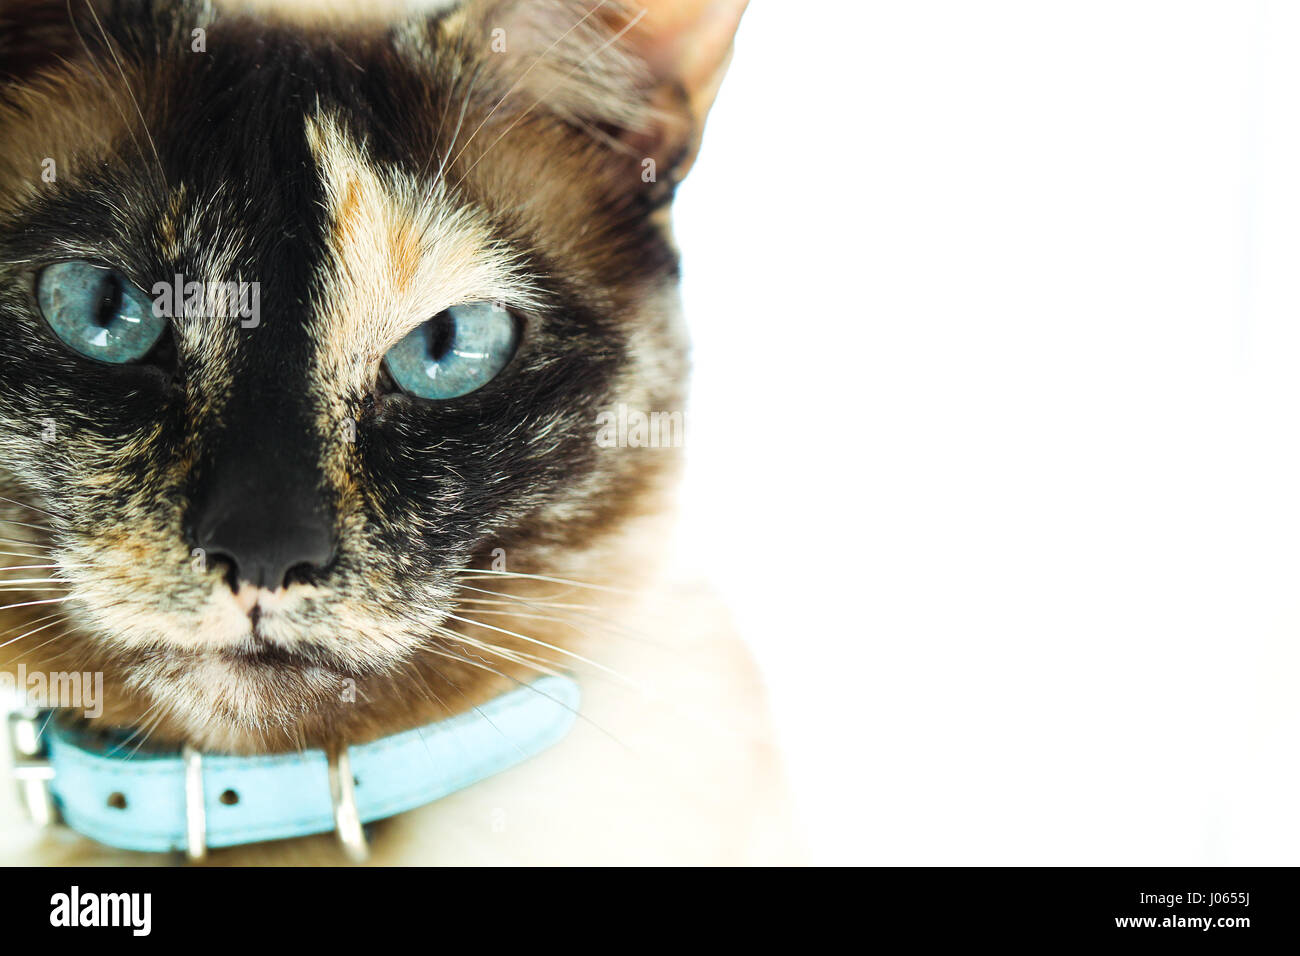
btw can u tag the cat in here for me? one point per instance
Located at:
(371, 495)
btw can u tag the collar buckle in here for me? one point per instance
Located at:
(31, 765)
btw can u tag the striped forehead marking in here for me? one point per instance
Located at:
(398, 250)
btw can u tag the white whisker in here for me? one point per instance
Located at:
(492, 670)
(516, 657)
(23, 504)
(15, 640)
(20, 554)
(523, 76)
(48, 617)
(59, 600)
(28, 543)
(549, 647)
(464, 107)
(472, 574)
(126, 85)
(586, 613)
(25, 524)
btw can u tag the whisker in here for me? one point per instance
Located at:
(586, 613)
(554, 619)
(510, 677)
(549, 647)
(108, 85)
(10, 630)
(473, 574)
(32, 650)
(25, 524)
(23, 554)
(29, 543)
(523, 76)
(473, 707)
(536, 662)
(515, 657)
(464, 107)
(649, 692)
(23, 504)
(513, 601)
(126, 85)
(550, 598)
(148, 731)
(442, 121)
(10, 607)
(15, 640)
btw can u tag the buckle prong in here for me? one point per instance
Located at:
(196, 826)
(347, 818)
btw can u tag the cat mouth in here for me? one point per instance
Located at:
(260, 653)
(260, 637)
(271, 639)
(272, 646)
(261, 647)
(261, 660)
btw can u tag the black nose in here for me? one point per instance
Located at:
(264, 536)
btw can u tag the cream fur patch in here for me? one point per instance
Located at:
(400, 250)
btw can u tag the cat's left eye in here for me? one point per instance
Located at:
(98, 312)
(457, 351)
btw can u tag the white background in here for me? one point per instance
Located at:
(996, 416)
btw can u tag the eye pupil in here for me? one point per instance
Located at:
(441, 331)
(110, 301)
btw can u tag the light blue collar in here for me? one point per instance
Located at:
(162, 802)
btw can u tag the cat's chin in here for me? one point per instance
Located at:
(259, 696)
(252, 698)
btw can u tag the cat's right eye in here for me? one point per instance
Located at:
(457, 351)
(98, 312)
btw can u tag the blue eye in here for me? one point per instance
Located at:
(97, 312)
(455, 352)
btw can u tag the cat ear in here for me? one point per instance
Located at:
(643, 72)
(686, 45)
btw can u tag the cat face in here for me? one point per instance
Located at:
(270, 524)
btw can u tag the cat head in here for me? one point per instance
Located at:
(320, 333)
